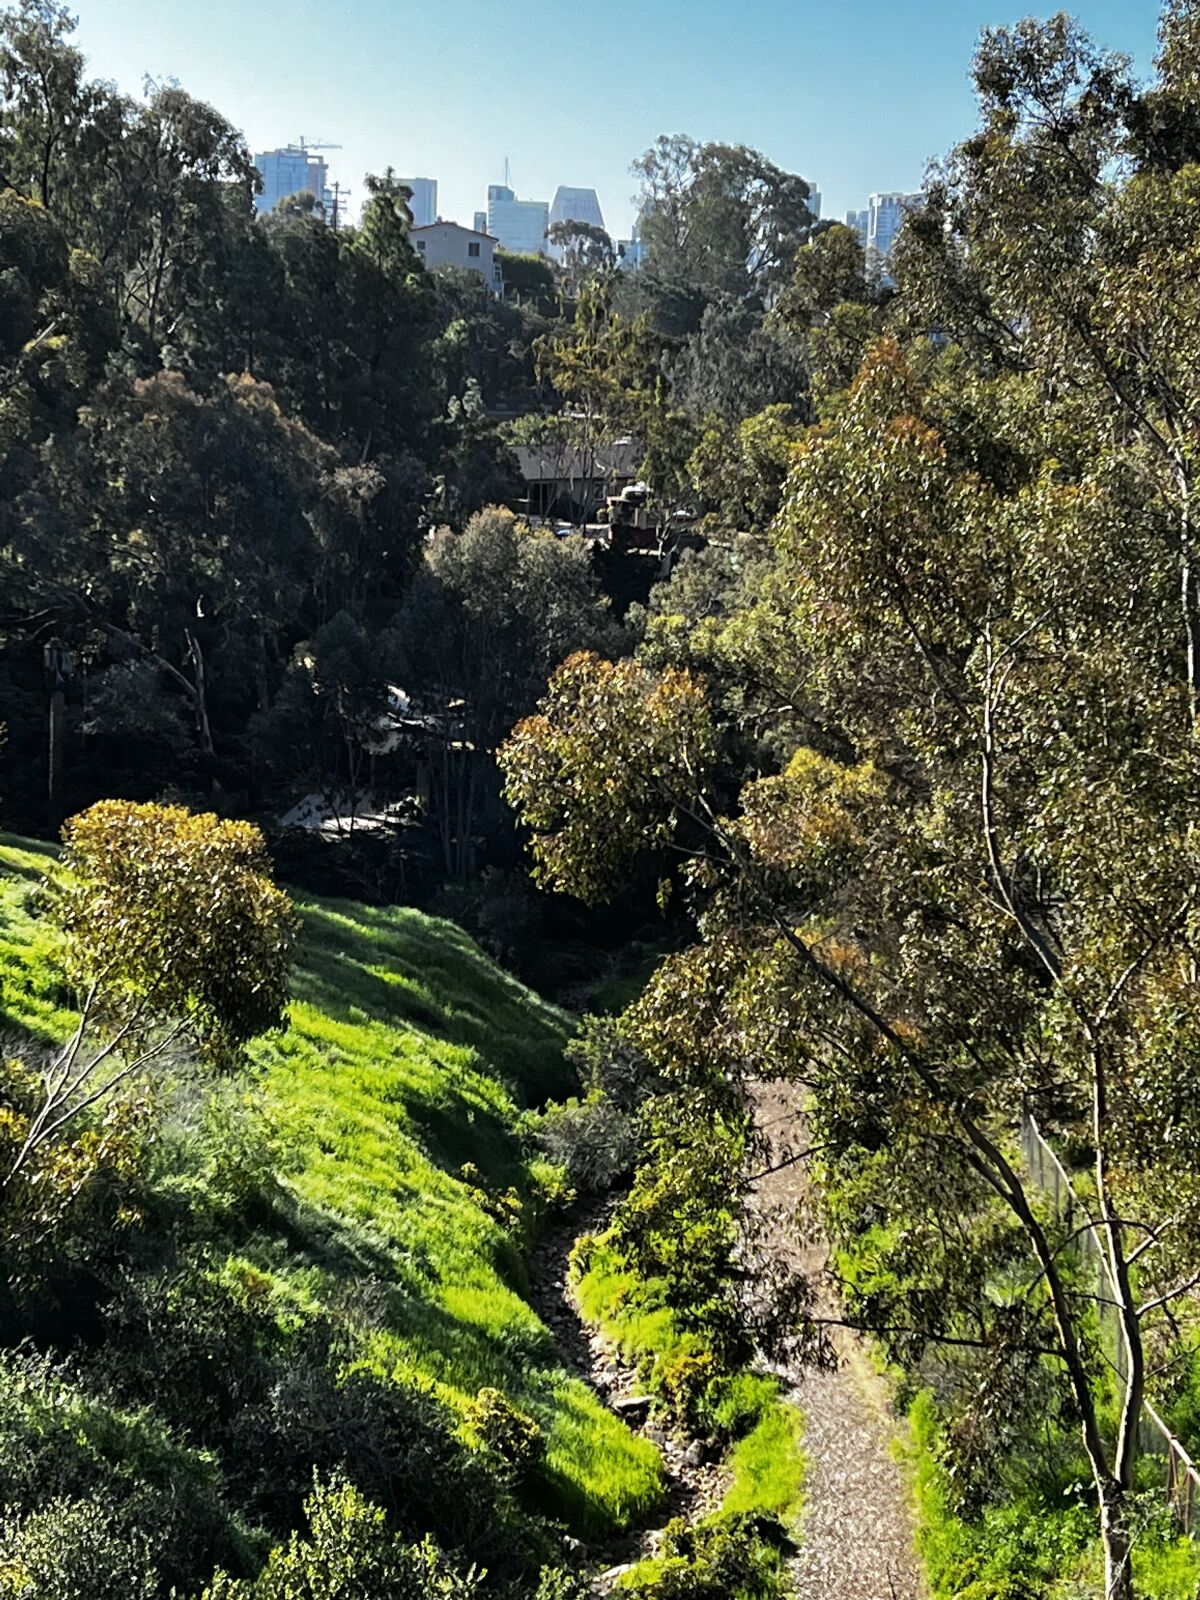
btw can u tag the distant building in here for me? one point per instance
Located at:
(424, 204)
(291, 170)
(563, 481)
(518, 225)
(814, 200)
(481, 222)
(573, 205)
(885, 218)
(858, 221)
(447, 244)
(631, 252)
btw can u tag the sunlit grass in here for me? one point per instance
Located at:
(767, 1466)
(408, 1056)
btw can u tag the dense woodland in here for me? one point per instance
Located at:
(885, 796)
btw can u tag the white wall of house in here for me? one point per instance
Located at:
(449, 244)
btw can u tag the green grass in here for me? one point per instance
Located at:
(1028, 1543)
(768, 1466)
(766, 1461)
(408, 1056)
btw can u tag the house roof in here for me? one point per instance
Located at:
(430, 227)
(546, 464)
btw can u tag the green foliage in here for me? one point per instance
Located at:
(656, 735)
(491, 612)
(593, 1139)
(97, 1494)
(717, 221)
(495, 1424)
(333, 1293)
(68, 1548)
(768, 1466)
(740, 477)
(166, 915)
(727, 1557)
(350, 1553)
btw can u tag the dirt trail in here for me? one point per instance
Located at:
(857, 1533)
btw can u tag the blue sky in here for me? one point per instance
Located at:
(854, 94)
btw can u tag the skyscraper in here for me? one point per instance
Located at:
(814, 200)
(519, 225)
(574, 205)
(424, 204)
(885, 217)
(290, 170)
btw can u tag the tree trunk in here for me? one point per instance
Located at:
(58, 702)
(199, 681)
(1118, 1544)
(1189, 596)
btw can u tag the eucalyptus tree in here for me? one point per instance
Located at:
(961, 884)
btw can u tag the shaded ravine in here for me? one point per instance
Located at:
(857, 1532)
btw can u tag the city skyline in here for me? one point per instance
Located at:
(855, 98)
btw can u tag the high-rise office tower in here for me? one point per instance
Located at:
(293, 169)
(519, 225)
(574, 205)
(424, 204)
(885, 218)
(859, 220)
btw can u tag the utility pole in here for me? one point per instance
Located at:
(338, 190)
(59, 663)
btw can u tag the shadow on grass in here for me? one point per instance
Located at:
(395, 964)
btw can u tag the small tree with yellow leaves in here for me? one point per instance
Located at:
(173, 934)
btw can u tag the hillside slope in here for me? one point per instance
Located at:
(366, 1183)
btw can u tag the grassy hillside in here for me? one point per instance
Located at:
(399, 1199)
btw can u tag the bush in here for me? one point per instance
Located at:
(594, 1139)
(350, 1553)
(496, 1425)
(77, 1550)
(608, 1062)
(85, 1483)
(685, 1376)
(724, 1558)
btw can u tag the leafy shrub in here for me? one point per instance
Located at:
(77, 1550)
(556, 1583)
(1011, 1552)
(66, 1201)
(723, 1558)
(685, 1377)
(593, 1138)
(112, 1480)
(610, 1063)
(495, 1424)
(351, 1553)
(397, 1445)
(740, 1401)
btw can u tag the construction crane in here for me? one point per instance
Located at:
(301, 144)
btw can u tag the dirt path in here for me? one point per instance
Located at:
(857, 1533)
